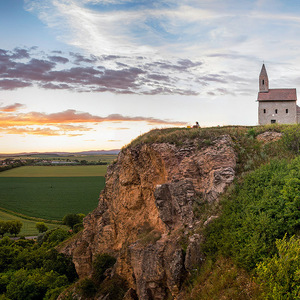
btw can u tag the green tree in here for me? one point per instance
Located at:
(41, 227)
(3, 228)
(71, 219)
(14, 227)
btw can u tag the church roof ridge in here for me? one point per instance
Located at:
(282, 94)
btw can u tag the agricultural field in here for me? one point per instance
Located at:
(55, 171)
(28, 228)
(51, 192)
(50, 197)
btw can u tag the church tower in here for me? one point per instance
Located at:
(263, 80)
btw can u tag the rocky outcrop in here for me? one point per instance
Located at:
(147, 209)
(269, 136)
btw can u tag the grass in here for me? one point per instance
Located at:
(222, 280)
(50, 197)
(28, 228)
(55, 171)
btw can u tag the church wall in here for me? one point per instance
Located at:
(281, 117)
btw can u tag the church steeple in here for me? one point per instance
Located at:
(263, 80)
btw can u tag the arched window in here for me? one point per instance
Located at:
(276, 111)
(263, 81)
(265, 110)
(286, 111)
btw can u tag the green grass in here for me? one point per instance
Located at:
(28, 228)
(50, 197)
(55, 171)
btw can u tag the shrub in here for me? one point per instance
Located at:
(260, 210)
(100, 264)
(291, 138)
(57, 236)
(78, 227)
(87, 288)
(280, 275)
(72, 219)
(41, 227)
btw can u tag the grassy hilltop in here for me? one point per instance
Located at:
(253, 248)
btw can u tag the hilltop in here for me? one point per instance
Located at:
(169, 199)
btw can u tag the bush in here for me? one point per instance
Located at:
(41, 227)
(100, 264)
(77, 227)
(260, 210)
(280, 275)
(291, 138)
(56, 236)
(87, 288)
(72, 219)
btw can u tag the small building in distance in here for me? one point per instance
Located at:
(276, 105)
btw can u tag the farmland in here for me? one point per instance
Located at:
(50, 192)
(55, 171)
(28, 228)
(50, 197)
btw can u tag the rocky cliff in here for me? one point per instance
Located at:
(146, 216)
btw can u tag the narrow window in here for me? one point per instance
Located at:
(265, 111)
(273, 121)
(276, 111)
(263, 82)
(286, 111)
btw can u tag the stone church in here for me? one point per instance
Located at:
(276, 105)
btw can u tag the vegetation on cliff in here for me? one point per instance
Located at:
(252, 249)
(34, 270)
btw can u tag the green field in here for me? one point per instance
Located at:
(28, 228)
(55, 171)
(50, 197)
(102, 157)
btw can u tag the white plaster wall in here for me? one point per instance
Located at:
(281, 117)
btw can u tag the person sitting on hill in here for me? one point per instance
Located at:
(197, 125)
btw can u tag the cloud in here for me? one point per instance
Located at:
(12, 108)
(116, 74)
(69, 122)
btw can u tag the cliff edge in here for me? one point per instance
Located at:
(148, 214)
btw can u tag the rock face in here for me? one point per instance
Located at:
(269, 136)
(146, 210)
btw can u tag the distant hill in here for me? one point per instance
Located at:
(90, 152)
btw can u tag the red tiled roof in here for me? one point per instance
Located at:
(278, 95)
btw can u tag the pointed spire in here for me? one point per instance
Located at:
(263, 80)
(263, 71)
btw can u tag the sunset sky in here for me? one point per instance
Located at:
(81, 75)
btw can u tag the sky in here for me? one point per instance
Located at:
(80, 75)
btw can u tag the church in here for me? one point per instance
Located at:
(276, 105)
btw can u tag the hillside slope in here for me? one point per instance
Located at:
(161, 192)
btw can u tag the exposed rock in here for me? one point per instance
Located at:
(211, 218)
(269, 136)
(193, 257)
(146, 205)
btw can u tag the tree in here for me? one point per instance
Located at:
(3, 228)
(41, 227)
(71, 220)
(14, 227)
